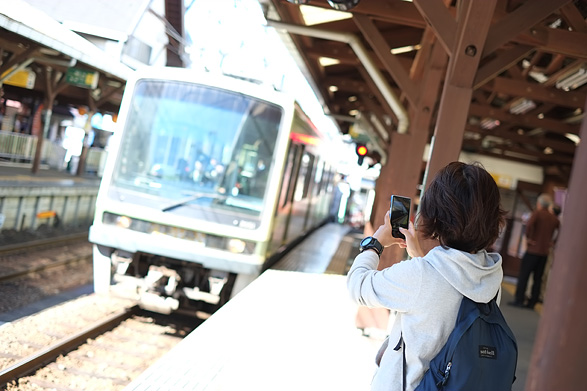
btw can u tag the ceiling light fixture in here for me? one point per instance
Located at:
(573, 81)
(490, 123)
(339, 5)
(405, 49)
(573, 137)
(522, 106)
(327, 61)
(343, 5)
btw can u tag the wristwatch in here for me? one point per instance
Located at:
(370, 242)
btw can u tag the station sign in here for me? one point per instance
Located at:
(82, 78)
(24, 78)
(504, 181)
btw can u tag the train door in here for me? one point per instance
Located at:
(300, 202)
(286, 194)
(513, 243)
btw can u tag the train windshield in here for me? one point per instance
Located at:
(190, 146)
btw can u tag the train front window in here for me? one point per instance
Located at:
(195, 146)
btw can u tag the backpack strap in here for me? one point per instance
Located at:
(401, 345)
(466, 311)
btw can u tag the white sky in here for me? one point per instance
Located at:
(232, 36)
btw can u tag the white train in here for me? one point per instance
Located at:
(208, 179)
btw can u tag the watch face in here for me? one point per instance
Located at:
(366, 241)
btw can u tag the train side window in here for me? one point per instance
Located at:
(289, 175)
(304, 176)
(310, 174)
(319, 178)
(329, 181)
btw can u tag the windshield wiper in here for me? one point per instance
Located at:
(191, 198)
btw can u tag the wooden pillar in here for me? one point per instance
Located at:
(401, 174)
(560, 345)
(81, 167)
(48, 105)
(473, 25)
(54, 84)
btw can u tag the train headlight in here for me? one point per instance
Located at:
(123, 222)
(236, 246)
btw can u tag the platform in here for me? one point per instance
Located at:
(21, 175)
(285, 331)
(26, 199)
(295, 330)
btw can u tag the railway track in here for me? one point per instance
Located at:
(39, 244)
(67, 344)
(31, 271)
(105, 354)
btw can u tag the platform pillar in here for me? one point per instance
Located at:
(557, 361)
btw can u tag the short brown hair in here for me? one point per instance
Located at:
(461, 208)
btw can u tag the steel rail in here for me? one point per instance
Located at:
(20, 273)
(49, 354)
(29, 245)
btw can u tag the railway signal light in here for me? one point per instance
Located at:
(362, 151)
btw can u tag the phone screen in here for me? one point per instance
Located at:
(399, 215)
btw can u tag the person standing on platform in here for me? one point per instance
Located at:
(555, 210)
(460, 212)
(541, 231)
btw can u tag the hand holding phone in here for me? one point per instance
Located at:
(399, 215)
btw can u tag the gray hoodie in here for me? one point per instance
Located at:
(425, 295)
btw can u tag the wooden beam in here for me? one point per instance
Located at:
(348, 85)
(500, 63)
(522, 18)
(377, 93)
(517, 155)
(570, 68)
(18, 58)
(378, 112)
(440, 20)
(541, 142)
(390, 62)
(485, 111)
(419, 63)
(474, 147)
(472, 32)
(556, 41)
(573, 17)
(535, 91)
(105, 96)
(346, 55)
(395, 12)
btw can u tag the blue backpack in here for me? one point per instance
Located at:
(481, 353)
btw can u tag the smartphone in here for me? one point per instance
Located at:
(399, 215)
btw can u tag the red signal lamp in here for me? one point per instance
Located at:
(361, 153)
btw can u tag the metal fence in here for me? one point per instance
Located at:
(16, 147)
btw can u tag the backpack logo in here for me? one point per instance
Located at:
(487, 352)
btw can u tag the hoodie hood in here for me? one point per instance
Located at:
(477, 276)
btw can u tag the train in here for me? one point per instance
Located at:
(209, 180)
